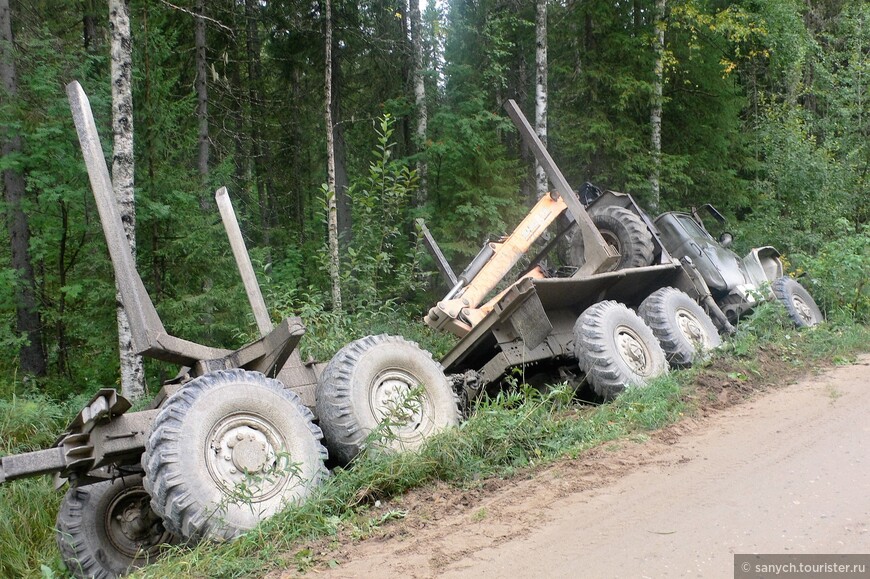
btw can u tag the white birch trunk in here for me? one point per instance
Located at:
(656, 109)
(541, 183)
(331, 210)
(201, 89)
(132, 370)
(419, 97)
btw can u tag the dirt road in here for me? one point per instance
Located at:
(787, 472)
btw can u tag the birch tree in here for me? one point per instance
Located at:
(419, 97)
(656, 109)
(132, 369)
(28, 323)
(541, 89)
(331, 211)
(201, 90)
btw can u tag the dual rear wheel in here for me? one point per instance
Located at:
(617, 348)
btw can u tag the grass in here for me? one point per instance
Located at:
(513, 432)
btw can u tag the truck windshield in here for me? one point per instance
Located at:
(692, 228)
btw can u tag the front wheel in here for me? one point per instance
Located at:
(382, 391)
(798, 302)
(107, 529)
(684, 330)
(616, 349)
(230, 449)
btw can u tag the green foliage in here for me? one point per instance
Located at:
(473, 187)
(28, 507)
(327, 331)
(839, 275)
(801, 175)
(382, 261)
(32, 421)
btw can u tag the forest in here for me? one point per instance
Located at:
(759, 107)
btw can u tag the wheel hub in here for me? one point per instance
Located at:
(611, 239)
(802, 309)
(632, 350)
(131, 525)
(244, 457)
(394, 397)
(690, 328)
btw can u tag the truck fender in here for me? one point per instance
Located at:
(763, 265)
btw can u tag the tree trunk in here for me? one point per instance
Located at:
(344, 218)
(331, 213)
(419, 99)
(256, 108)
(541, 183)
(89, 25)
(201, 92)
(656, 109)
(132, 369)
(28, 323)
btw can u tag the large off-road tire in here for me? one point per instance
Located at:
(620, 228)
(798, 302)
(684, 330)
(382, 391)
(616, 349)
(108, 528)
(230, 449)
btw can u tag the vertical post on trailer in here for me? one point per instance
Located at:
(598, 254)
(243, 261)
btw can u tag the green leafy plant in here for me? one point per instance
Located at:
(839, 274)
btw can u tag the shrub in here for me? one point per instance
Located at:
(840, 275)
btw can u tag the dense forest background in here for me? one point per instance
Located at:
(764, 112)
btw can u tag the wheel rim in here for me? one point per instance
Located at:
(395, 395)
(611, 239)
(803, 310)
(132, 527)
(691, 328)
(633, 350)
(247, 457)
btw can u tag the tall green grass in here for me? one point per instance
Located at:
(28, 507)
